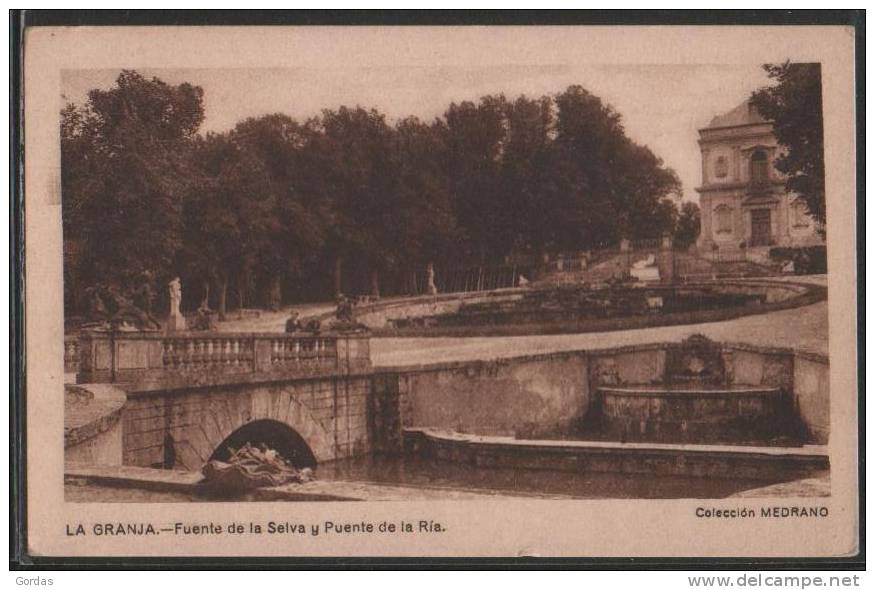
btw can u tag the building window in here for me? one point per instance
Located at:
(723, 219)
(759, 167)
(799, 214)
(721, 167)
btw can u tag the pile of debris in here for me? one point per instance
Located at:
(253, 467)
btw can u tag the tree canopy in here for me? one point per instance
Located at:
(794, 103)
(282, 209)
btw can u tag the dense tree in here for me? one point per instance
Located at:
(352, 155)
(272, 208)
(292, 236)
(125, 171)
(615, 187)
(475, 136)
(794, 104)
(688, 225)
(425, 229)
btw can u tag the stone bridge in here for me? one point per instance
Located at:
(192, 396)
(178, 401)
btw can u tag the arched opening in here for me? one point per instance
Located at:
(276, 435)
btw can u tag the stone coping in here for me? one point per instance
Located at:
(805, 294)
(594, 352)
(170, 383)
(803, 452)
(189, 482)
(651, 390)
(90, 410)
(216, 335)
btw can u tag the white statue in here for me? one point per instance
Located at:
(176, 321)
(430, 286)
(175, 295)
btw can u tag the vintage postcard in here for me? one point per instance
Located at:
(482, 291)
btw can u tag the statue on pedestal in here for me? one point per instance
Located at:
(430, 286)
(176, 321)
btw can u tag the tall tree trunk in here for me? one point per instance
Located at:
(206, 299)
(241, 288)
(338, 275)
(375, 283)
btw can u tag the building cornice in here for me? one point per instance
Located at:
(736, 186)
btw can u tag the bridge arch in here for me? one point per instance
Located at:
(270, 415)
(277, 435)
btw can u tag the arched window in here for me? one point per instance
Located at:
(721, 167)
(723, 219)
(799, 214)
(759, 167)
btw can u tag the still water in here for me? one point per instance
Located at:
(435, 476)
(421, 472)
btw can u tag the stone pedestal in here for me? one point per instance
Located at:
(176, 323)
(665, 259)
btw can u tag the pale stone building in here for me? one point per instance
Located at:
(742, 198)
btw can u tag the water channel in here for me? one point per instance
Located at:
(423, 474)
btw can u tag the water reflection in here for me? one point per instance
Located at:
(414, 471)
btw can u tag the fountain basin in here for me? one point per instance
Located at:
(688, 412)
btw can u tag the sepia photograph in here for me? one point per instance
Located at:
(456, 283)
(301, 304)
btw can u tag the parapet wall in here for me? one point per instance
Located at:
(543, 395)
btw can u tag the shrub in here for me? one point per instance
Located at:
(806, 261)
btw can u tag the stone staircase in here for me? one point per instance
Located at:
(688, 265)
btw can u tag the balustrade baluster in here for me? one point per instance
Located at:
(168, 354)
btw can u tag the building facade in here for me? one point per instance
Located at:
(742, 198)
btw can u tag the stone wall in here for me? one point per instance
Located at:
(104, 448)
(93, 424)
(531, 396)
(811, 386)
(331, 414)
(543, 395)
(381, 315)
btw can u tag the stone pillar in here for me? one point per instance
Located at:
(739, 232)
(665, 259)
(95, 358)
(705, 240)
(705, 152)
(353, 353)
(736, 163)
(262, 349)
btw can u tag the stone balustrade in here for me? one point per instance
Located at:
(151, 359)
(71, 354)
